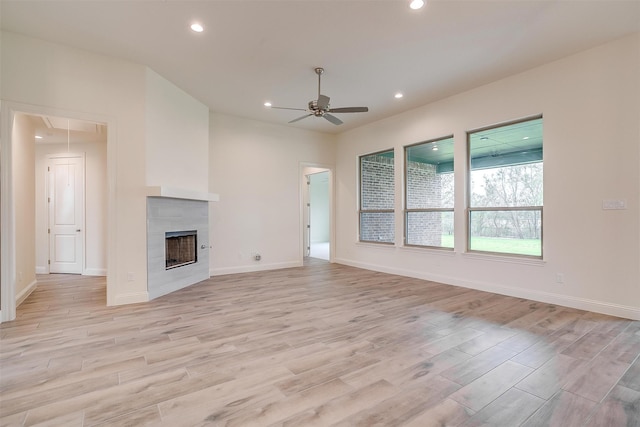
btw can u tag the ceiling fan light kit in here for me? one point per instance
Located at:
(321, 108)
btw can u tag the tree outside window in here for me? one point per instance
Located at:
(506, 189)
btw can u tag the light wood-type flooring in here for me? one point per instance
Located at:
(319, 345)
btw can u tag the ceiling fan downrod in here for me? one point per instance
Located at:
(319, 71)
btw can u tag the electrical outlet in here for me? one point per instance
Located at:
(130, 276)
(559, 278)
(257, 257)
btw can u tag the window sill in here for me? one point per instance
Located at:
(383, 245)
(506, 259)
(430, 251)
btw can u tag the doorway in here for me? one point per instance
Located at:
(317, 227)
(28, 134)
(71, 196)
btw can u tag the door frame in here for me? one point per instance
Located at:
(83, 226)
(8, 110)
(307, 168)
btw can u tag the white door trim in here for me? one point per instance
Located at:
(302, 183)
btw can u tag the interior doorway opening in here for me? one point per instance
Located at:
(317, 227)
(71, 232)
(28, 135)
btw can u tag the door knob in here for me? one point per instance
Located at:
(78, 230)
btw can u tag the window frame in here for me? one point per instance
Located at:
(469, 209)
(374, 211)
(407, 211)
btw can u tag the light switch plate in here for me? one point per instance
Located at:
(614, 204)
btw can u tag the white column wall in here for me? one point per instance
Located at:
(24, 188)
(177, 136)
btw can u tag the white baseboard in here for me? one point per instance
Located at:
(24, 294)
(131, 298)
(253, 268)
(41, 269)
(618, 310)
(95, 272)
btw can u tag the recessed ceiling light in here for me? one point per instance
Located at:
(198, 28)
(526, 137)
(416, 4)
(398, 95)
(267, 104)
(435, 149)
(38, 137)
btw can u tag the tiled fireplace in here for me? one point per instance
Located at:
(177, 244)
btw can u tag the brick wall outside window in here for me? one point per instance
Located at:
(423, 191)
(377, 186)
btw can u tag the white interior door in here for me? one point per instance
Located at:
(66, 214)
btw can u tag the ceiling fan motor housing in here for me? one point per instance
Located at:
(313, 107)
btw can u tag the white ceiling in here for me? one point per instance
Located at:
(59, 130)
(254, 51)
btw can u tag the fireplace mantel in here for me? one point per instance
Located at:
(179, 193)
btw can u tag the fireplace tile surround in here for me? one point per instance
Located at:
(167, 214)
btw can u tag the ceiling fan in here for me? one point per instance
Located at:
(320, 107)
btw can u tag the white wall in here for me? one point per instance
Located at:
(591, 107)
(177, 136)
(95, 262)
(24, 190)
(256, 169)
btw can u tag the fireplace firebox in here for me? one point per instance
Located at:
(181, 248)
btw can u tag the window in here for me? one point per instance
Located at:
(429, 193)
(377, 197)
(505, 189)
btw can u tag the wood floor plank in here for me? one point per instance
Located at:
(446, 413)
(148, 416)
(511, 409)
(337, 408)
(588, 346)
(402, 407)
(472, 369)
(313, 346)
(484, 390)
(565, 409)
(279, 410)
(631, 378)
(325, 373)
(620, 408)
(597, 378)
(550, 377)
(539, 353)
(625, 347)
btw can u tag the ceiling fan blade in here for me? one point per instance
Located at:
(349, 110)
(285, 108)
(300, 118)
(323, 102)
(332, 119)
